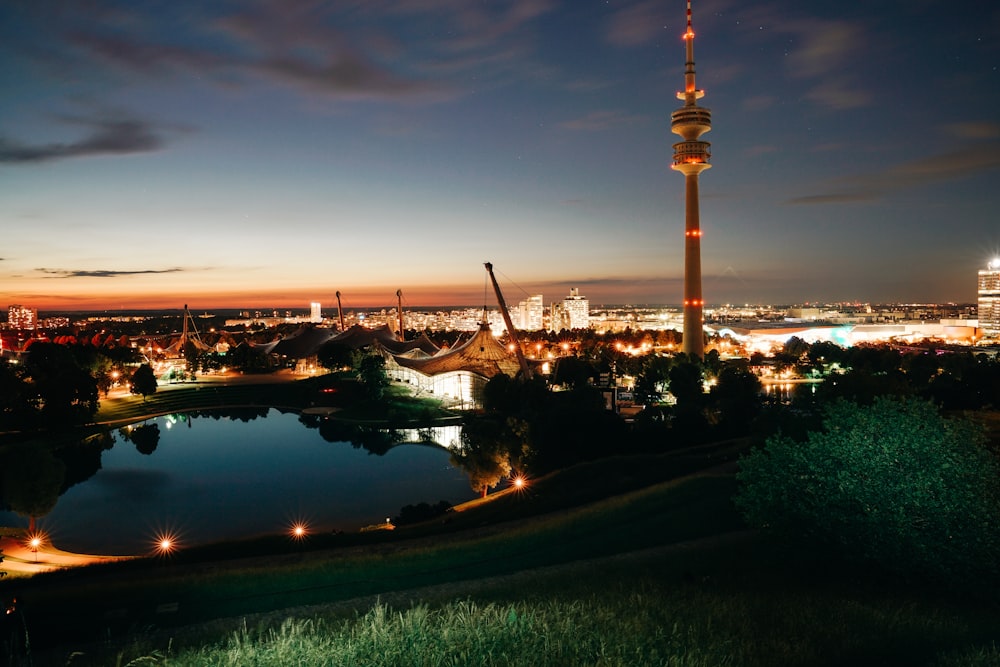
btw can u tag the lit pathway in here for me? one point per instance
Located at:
(20, 558)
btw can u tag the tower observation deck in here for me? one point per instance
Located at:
(691, 156)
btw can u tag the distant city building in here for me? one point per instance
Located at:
(530, 313)
(315, 312)
(22, 317)
(989, 299)
(573, 312)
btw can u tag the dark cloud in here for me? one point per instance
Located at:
(945, 166)
(102, 273)
(294, 45)
(637, 24)
(601, 120)
(825, 55)
(832, 198)
(348, 76)
(144, 56)
(351, 50)
(913, 174)
(982, 130)
(107, 137)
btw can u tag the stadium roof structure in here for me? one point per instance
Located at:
(421, 344)
(305, 342)
(481, 354)
(358, 336)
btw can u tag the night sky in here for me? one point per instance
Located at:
(270, 152)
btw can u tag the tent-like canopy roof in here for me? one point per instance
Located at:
(423, 343)
(359, 336)
(303, 343)
(482, 354)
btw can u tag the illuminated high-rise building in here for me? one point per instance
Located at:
(315, 312)
(691, 156)
(22, 317)
(573, 312)
(530, 313)
(989, 299)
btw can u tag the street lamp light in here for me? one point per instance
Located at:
(34, 543)
(165, 543)
(299, 531)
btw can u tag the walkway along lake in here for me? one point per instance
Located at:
(209, 477)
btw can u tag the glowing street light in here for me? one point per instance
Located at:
(165, 543)
(299, 531)
(35, 542)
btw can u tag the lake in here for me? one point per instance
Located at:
(210, 478)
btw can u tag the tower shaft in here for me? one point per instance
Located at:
(693, 341)
(691, 156)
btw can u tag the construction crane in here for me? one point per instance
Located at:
(525, 370)
(340, 312)
(399, 311)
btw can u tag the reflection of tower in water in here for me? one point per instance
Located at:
(691, 156)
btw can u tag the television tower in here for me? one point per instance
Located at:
(691, 157)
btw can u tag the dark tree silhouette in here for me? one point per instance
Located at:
(66, 391)
(892, 483)
(371, 372)
(146, 438)
(335, 356)
(737, 397)
(144, 381)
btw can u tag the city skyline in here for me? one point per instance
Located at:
(259, 155)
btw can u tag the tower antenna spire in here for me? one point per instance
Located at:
(691, 157)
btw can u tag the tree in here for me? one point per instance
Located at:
(371, 371)
(66, 391)
(248, 359)
(484, 454)
(335, 356)
(573, 372)
(795, 347)
(17, 408)
(192, 357)
(144, 381)
(893, 483)
(653, 378)
(689, 423)
(737, 398)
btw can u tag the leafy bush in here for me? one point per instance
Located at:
(892, 483)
